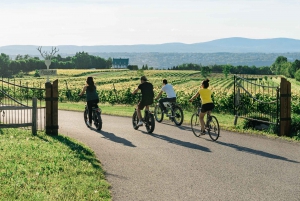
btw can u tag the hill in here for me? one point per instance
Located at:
(235, 51)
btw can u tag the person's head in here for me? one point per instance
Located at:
(90, 81)
(144, 79)
(205, 83)
(165, 82)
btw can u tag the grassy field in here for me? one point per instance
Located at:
(48, 168)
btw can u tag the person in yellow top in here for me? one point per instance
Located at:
(207, 103)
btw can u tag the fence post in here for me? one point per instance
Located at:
(55, 108)
(51, 108)
(34, 119)
(285, 107)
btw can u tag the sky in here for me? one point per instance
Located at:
(130, 22)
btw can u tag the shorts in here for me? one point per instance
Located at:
(142, 104)
(207, 107)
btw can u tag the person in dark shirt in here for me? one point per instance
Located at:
(147, 97)
(91, 96)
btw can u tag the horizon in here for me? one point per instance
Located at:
(115, 22)
(161, 43)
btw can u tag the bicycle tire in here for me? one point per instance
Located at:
(158, 114)
(86, 117)
(213, 128)
(150, 124)
(195, 125)
(178, 115)
(135, 120)
(98, 121)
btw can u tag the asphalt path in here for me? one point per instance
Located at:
(173, 164)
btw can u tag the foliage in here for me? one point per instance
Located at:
(297, 75)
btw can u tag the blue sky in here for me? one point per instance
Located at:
(127, 22)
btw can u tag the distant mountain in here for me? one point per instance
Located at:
(232, 45)
(235, 51)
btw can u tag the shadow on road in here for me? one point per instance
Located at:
(181, 127)
(114, 138)
(81, 151)
(256, 152)
(179, 142)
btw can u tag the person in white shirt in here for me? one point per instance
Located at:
(171, 95)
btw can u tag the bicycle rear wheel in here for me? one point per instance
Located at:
(150, 123)
(135, 120)
(178, 115)
(159, 115)
(213, 128)
(98, 121)
(195, 125)
(86, 117)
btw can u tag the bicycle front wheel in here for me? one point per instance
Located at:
(213, 128)
(150, 124)
(135, 120)
(195, 125)
(178, 115)
(158, 114)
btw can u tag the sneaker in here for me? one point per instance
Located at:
(140, 123)
(203, 132)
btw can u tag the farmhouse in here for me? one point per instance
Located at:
(120, 62)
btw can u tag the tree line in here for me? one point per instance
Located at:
(82, 60)
(26, 63)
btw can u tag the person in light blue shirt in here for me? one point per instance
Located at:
(171, 95)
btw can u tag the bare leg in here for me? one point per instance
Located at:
(139, 113)
(201, 117)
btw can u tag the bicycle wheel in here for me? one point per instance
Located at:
(178, 115)
(158, 114)
(195, 125)
(135, 120)
(213, 128)
(98, 121)
(86, 117)
(150, 123)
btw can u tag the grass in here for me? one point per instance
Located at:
(48, 168)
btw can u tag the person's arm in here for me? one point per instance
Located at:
(83, 91)
(158, 95)
(194, 96)
(135, 91)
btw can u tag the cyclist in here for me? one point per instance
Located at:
(147, 97)
(207, 103)
(91, 97)
(171, 95)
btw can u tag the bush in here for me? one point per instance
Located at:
(295, 126)
(297, 75)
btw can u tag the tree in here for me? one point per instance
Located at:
(4, 63)
(226, 69)
(276, 66)
(297, 75)
(205, 71)
(82, 60)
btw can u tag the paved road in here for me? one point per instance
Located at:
(173, 164)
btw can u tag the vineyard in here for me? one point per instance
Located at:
(115, 86)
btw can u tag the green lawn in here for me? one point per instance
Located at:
(48, 168)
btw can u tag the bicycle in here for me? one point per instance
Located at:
(96, 116)
(174, 112)
(211, 125)
(148, 120)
